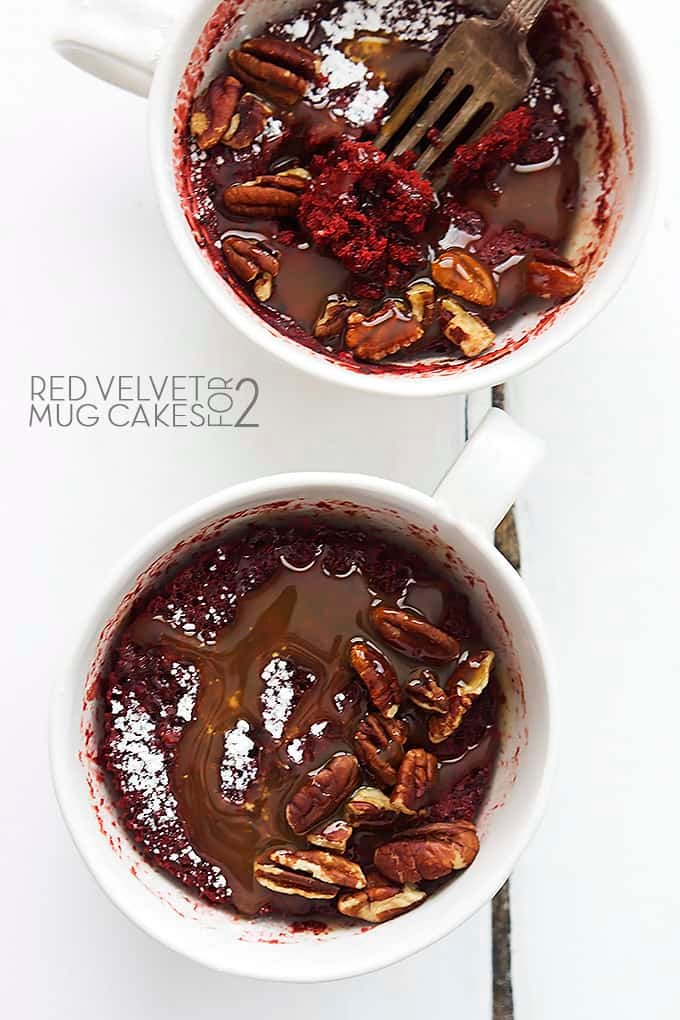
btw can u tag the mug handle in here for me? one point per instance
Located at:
(118, 41)
(495, 463)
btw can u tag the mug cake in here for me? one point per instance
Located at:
(355, 254)
(302, 719)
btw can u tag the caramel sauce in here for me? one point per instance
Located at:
(305, 282)
(244, 753)
(511, 277)
(539, 199)
(389, 58)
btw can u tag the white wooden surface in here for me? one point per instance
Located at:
(89, 284)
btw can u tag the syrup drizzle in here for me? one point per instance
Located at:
(275, 699)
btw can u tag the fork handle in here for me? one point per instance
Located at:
(519, 16)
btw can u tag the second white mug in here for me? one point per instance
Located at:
(454, 529)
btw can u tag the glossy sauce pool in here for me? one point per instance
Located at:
(273, 698)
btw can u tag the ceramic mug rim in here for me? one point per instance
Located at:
(607, 280)
(362, 490)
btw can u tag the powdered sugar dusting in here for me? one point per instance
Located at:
(340, 70)
(282, 683)
(411, 21)
(144, 765)
(278, 695)
(296, 750)
(239, 762)
(143, 771)
(299, 28)
(365, 105)
(187, 678)
(367, 96)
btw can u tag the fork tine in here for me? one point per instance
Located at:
(448, 135)
(499, 103)
(408, 104)
(432, 114)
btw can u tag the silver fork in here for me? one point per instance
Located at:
(490, 73)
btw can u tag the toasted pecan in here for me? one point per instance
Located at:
(459, 272)
(388, 330)
(425, 692)
(269, 196)
(552, 280)
(252, 262)
(248, 122)
(380, 902)
(333, 835)
(413, 635)
(415, 784)
(428, 852)
(321, 865)
(277, 69)
(322, 792)
(378, 677)
(213, 110)
(468, 681)
(379, 745)
(370, 808)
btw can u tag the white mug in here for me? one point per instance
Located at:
(136, 45)
(455, 525)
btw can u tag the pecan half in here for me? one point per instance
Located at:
(378, 677)
(413, 635)
(275, 68)
(379, 744)
(213, 110)
(464, 329)
(459, 272)
(425, 692)
(552, 280)
(321, 865)
(333, 836)
(332, 320)
(370, 808)
(270, 196)
(290, 883)
(322, 793)
(428, 852)
(422, 302)
(252, 262)
(374, 337)
(415, 781)
(467, 683)
(248, 122)
(380, 902)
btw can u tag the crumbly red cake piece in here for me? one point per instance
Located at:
(497, 147)
(365, 210)
(462, 218)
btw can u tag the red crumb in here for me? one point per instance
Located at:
(364, 209)
(313, 927)
(462, 218)
(287, 237)
(498, 146)
(498, 246)
(464, 800)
